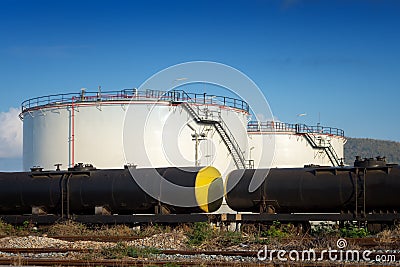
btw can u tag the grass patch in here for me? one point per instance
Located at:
(200, 233)
(6, 229)
(68, 228)
(348, 230)
(228, 238)
(27, 228)
(203, 234)
(278, 230)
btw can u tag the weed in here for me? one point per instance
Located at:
(324, 230)
(115, 230)
(352, 231)
(278, 230)
(6, 229)
(116, 252)
(68, 228)
(142, 252)
(200, 233)
(150, 230)
(261, 241)
(228, 238)
(171, 264)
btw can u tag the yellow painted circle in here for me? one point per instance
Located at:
(204, 178)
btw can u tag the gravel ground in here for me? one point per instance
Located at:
(162, 241)
(46, 242)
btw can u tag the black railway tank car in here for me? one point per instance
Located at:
(370, 186)
(82, 189)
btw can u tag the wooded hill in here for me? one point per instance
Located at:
(371, 148)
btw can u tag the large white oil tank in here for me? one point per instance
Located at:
(160, 129)
(296, 145)
(143, 128)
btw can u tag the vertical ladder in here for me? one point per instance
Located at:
(360, 192)
(65, 195)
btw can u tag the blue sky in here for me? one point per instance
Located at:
(334, 60)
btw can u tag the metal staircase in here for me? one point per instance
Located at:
(317, 142)
(231, 144)
(192, 112)
(222, 129)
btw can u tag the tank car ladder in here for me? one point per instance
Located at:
(65, 195)
(360, 198)
(224, 132)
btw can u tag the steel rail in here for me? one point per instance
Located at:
(323, 260)
(122, 262)
(241, 253)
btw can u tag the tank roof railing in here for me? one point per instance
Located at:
(203, 98)
(134, 94)
(277, 126)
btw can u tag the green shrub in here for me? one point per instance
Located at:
(116, 252)
(6, 229)
(200, 233)
(323, 230)
(353, 231)
(228, 238)
(277, 230)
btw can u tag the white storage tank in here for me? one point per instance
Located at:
(161, 129)
(144, 128)
(296, 145)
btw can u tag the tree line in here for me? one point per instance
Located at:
(371, 148)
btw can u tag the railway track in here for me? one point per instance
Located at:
(323, 259)
(50, 256)
(50, 262)
(362, 242)
(242, 253)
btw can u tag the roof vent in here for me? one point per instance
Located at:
(82, 167)
(36, 169)
(370, 162)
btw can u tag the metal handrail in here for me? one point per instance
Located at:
(174, 95)
(270, 126)
(204, 98)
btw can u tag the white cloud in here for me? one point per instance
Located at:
(10, 134)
